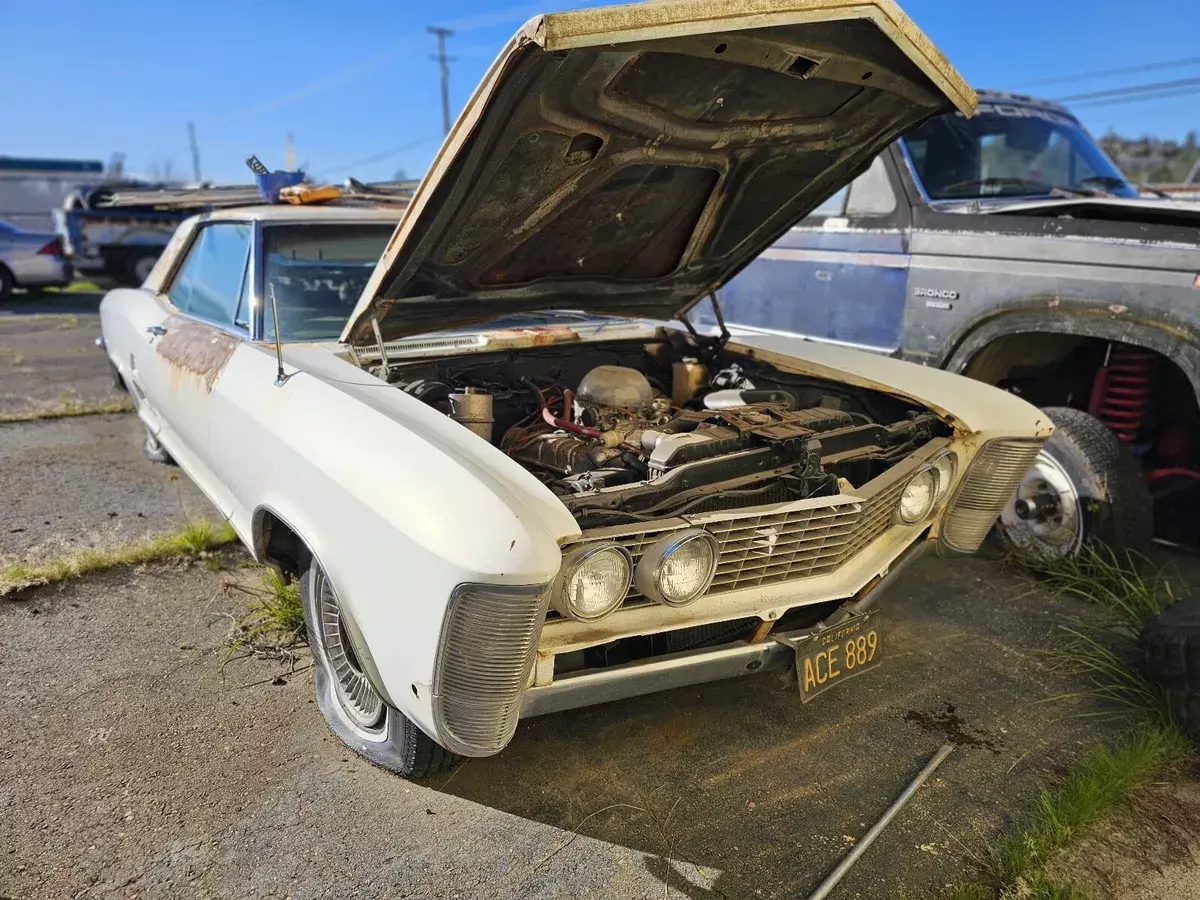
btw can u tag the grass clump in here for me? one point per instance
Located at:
(1096, 575)
(1099, 782)
(66, 406)
(193, 540)
(275, 622)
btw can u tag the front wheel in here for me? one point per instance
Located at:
(355, 711)
(1086, 485)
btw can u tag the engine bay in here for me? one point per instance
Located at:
(633, 431)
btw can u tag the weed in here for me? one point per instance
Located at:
(276, 616)
(67, 406)
(1098, 576)
(190, 541)
(1099, 782)
(214, 560)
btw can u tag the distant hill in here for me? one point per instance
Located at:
(1151, 160)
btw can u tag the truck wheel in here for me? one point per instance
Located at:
(1171, 649)
(1085, 485)
(6, 283)
(138, 266)
(355, 711)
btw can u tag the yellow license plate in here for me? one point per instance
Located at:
(838, 654)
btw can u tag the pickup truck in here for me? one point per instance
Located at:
(1009, 248)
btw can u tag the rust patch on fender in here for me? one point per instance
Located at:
(196, 349)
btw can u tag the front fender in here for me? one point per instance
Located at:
(399, 503)
(1176, 343)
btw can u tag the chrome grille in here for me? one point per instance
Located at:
(781, 545)
(489, 640)
(983, 493)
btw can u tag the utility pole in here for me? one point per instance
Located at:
(289, 159)
(443, 62)
(195, 150)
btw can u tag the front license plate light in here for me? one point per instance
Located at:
(834, 655)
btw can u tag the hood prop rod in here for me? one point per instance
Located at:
(714, 344)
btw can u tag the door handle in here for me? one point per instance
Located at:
(156, 330)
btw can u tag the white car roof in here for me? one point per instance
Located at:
(323, 212)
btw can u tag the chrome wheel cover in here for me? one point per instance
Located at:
(1058, 533)
(358, 699)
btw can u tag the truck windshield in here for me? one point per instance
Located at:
(1011, 150)
(317, 272)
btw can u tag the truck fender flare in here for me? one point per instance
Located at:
(1178, 348)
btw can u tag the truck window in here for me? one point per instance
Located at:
(209, 282)
(1010, 150)
(833, 206)
(871, 193)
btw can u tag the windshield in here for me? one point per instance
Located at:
(1009, 150)
(317, 273)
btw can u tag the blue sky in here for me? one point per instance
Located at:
(355, 84)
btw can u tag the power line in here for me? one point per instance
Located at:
(377, 157)
(1127, 70)
(1137, 98)
(443, 62)
(1132, 89)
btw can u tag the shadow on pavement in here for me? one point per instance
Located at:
(740, 777)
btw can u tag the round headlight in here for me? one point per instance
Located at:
(946, 467)
(678, 569)
(595, 579)
(919, 496)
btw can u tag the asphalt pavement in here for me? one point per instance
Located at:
(143, 758)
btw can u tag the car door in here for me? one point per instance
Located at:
(840, 275)
(208, 297)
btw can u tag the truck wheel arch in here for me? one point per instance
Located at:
(1183, 354)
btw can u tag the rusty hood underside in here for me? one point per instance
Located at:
(631, 159)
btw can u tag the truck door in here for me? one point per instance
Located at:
(840, 275)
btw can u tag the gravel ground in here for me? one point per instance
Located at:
(47, 347)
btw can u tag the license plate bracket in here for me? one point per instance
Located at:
(832, 655)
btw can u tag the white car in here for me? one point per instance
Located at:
(508, 482)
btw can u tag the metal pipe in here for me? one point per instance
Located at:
(831, 881)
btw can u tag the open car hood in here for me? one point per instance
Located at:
(631, 159)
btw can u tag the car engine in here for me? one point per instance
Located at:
(665, 436)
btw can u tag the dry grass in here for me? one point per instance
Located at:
(66, 406)
(193, 540)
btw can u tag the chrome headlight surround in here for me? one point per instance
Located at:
(926, 474)
(648, 579)
(946, 466)
(574, 561)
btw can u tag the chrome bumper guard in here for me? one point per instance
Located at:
(675, 670)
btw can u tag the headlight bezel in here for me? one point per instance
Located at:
(647, 577)
(945, 482)
(572, 562)
(925, 470)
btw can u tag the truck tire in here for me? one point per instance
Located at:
(354, 710)
(1171, 650)
(7, 283)
(138, 265)
(1086, 485)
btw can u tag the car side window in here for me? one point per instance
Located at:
(209, 283)
(871, 193)
(833, 206)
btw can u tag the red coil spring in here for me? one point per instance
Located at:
(1121, 390)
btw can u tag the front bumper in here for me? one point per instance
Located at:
(698, 666)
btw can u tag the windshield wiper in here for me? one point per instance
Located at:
(1032, 187)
